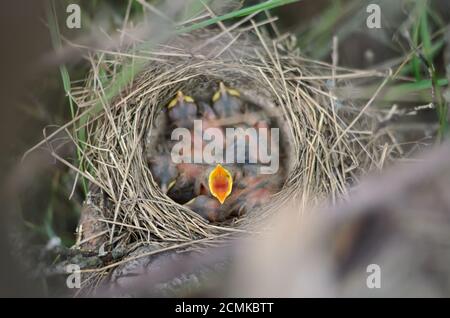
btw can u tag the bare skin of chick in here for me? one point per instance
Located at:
(206, 206)
(189, 182)
(251, 192)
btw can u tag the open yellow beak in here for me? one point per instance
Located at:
(220, 183)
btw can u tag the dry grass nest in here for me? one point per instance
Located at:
(328, 141)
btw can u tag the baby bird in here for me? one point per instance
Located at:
(252, 191)
(227, 102)
(182, 111)
(209, 202)
(205, 206)
(188, 183)
(163, 170)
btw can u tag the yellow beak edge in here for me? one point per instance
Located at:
(220, 183)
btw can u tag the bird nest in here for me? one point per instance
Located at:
(325, 140)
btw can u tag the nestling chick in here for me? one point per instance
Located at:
(210, 203)
(205, 206)
(197, 179)
(226, 102)
(253, 191)
(188, 183)
(163, 170)
(182, 111)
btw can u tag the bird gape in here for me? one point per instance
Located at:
(217, 153)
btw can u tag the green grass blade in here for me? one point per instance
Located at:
(268, 5)
(56, 42)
